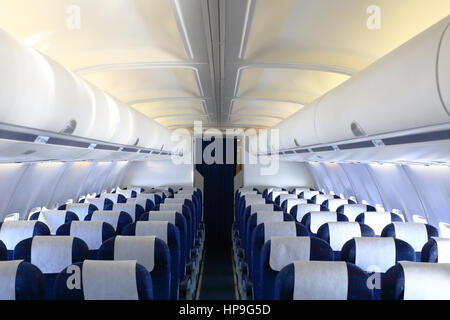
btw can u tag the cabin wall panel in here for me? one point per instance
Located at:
(340, 179)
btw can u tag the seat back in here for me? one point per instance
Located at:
(168, 233)
(300, 210)
(351, 211)
(289, 203)
(127, 193)
(53, 219)
(114, 197)
(416, 234)
(118, 219)
(93, 233)
(105, 280)
(315, 219)
(283, 197)
(133, 209)
(149, 251)
(417, 281)
(80, 209)
(278, 252)
(436, 250)
(100, 203)
(321, 280)
(299, 190)
(308, 194)
(378, 220)
(321, 198)
(51, 255)
(12, 232)
(188, 215)
(20, 280)
(338, 233)
(333, 204)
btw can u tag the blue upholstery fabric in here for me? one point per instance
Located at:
(3, 252)
(251, 225)
(294, 209)
(40, 229)
(393, 284)
(177, 270)
(107, 204)
(160, 273)
(241, 210)
(319, 251)
(357, 288)
(62, 292)
(403, 252)
(306, 221)
(389, 231)
(124, 220)
(324, 234)
(107, 232)
(256, 247)
(29, 282)
(22, 251)
(180, 223)
(430, 252)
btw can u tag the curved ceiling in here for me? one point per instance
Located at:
(227, 63)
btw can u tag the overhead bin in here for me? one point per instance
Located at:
(38, 93)
(406, 89)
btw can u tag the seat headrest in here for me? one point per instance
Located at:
(303, 209)
(333, 204)
(292, 202)
(286, 196)
(247, 192)
(109, 280)
(321, 198)
(341, 232)
(373, 253)
(12, 232)
(285, 250)
(182, 196)
(426, 281)
(51, 254)
(152, 228)
(91, 232)
(114, 197)
(171, 207)
(165, 215)
(275, 194)
(309, 194)
(353, 210)
(108, 216)
(297, 191)
(443, 249)
(8, 274)
(98, 202)
(377, 220)
(175, 200)
(129, 208)
(53, 219)
(261, 207)
(273, 229)
(269, 216)
(125, 193)
(80, 209)
(320, 280)
(140, 248)
(415, 234)
(319, 218)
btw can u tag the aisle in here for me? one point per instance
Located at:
(217, 278)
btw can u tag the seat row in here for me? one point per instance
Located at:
(263, 220)
(161, 238)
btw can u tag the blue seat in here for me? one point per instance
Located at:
(80, 209)
(114, 197)
(321, 280)
(351, 211)
(278, 252)
(12, 232)
(101, 204)
(315, 219)
(436, 250)
(20, 280)
(416, 234)
(375, 256)
(298, 190)
(283, 197)
(378, 220)
(288, 204)
(255, 220)
(298, 211)
(240, 193)
(149, 251)
(247, 201)
(3, 252)
(104, 280)
(171, 236)
(178, 220)
(273, 195)
(118, 219)
(93, 233)
(263, 233)
(127, 193)
(321, 198)
(53, 219)
(133, 209)
(338, 233)
(334, 204)
(308, 194)
(250, 210)
(51, 255)
(187, 213)
(188, 201)
(417, 281)
(193, 203)
(145, 200)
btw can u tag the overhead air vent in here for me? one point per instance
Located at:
(357, 130)
(70, 127)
